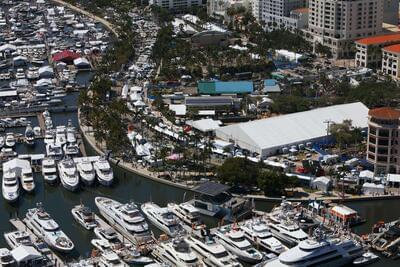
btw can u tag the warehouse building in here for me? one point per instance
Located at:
(271, 136)
(219, 87)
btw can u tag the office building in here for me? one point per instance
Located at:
(383, 149)
(337, 23)
(176, 4)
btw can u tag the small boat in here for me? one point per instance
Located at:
(10, 140)
(86, 172)
(37, 131)
(189, 215)
(84, 216)
(54, 151)
(71, 133)
(71, 149)
(135, 258)
(49, 170)
(49, 137)
(107, 234)
(61, 138)
(104, 171)
(10, 186)
(365, 259)
(29, 135)
(27, 182)
(6, 259)
(110, 259)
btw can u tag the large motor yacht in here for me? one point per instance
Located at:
(319, 251)
(258, 233)
(127, 217)
(104, 171)
(61, 138)
(163, 218)
(189, 215)
(235, 241)
(288, 232)
(10, 186)
(86, 172)
(27, 182)
(68, 174)
(43, 226)
(49, 170)
(177, 253)
(211, 252)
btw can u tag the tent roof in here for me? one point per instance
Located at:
(25, 253)
(293, 128)
(65, 55)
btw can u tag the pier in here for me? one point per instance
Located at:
(21, 226)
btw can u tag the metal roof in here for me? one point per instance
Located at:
(211, 188)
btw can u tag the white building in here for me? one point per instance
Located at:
(272, 135)
(337, 23)
(390, 61)
(176, 4)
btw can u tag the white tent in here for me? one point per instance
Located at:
(268, 136)
(205, 125)
(373, 189)
(24, 254)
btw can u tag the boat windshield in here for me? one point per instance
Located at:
(221, 254)
(238, 239)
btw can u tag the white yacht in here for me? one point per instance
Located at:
(319, 251)
(71, 133)
(84, 216)
(49, 170)
(110, 259)
(163, 218)
(54, 151)
(6, 259)
(127, 217)
(10, 186)
(258, 233)
(104, 171)
(288, 232)
(10, 140)
(27, 181)
(212, 253)
(49, 137)
(71, 149)
(17, 238)
(86, 172)
(188, 214)
(2, 141)
(177, 253)
(46, 228)
(29, 135)
(235, 241)
(68, 174)
(61, 138)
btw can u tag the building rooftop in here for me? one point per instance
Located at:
(380, 39)
(385, 113)
(393, 48)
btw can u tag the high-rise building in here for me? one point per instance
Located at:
(383, 150)
(278, 13)
(176, 4)
(337, 23)
(391, 11)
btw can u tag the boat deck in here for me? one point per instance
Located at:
(21, 226)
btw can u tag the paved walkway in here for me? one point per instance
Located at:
(106, 23)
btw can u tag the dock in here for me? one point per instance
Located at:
(21, 226)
